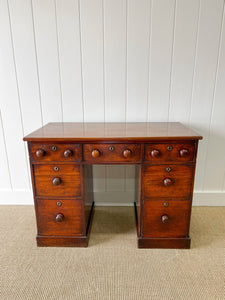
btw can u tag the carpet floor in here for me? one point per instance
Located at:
(112, 267)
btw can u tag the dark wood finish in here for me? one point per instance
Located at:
(63, 220)
(64, 241)
(40, 153)
(67, 241)
(93, 132)
(177, 152)
(127, 153)
(111, 153)
(167, 181)
(61, 158)
(167, 243)
(160, 184)
(95, 153)
(59, 217)
(87, 192)
(56, 181)
(68, 186)
(58, 154)
(67, 183)
(166, 221)
(68, 153)
(154, 153)
(57, 169)
(138, 198)
(184, 152)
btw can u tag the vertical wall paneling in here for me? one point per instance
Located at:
(161, 46)
(91, 16)
(205, 73)
(26, 65)
(99, 178)
(138, 20)
(115, 59)
(115, 176)
(130, 178)
(214, 167)
(185, 37)
(10, 104)
(5, 182)
(114, 14)
(48, 59)
(25, 60)
(112, 60)
(67, 13)
(92, 47)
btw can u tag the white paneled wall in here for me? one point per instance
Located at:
(112, 60)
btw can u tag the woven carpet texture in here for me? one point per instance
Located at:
(112, 267)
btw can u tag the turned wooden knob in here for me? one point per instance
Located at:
(40, 152)
(184, 152)
(167, 182)
(165, 219)
(95, 153)
(155, 153)
(68, 153)
(56, 181)
(127, 153)
(59, 217)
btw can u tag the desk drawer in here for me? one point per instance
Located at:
(61, 217)
(179, 152)
(54, 152)
(103, 153)
(62, 183)
(166, 219)
(56, 169)
(168, 182)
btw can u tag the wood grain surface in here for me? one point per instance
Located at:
(112, 131)
(154, 185)
(178, 213)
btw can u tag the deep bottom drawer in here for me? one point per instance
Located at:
(166, 218)
(59, 217)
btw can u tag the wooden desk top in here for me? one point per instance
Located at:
(81, 132)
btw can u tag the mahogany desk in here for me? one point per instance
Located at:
(61, 159)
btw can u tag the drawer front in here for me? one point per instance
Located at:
(57, 184)
(54, 152)
(180, 152)
(103, 153)
(56, 169)
(166, 219)
(168, 182)
(61, 217)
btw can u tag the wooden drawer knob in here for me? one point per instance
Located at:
(184, 152)
(95, 153)
(40, 152)
(59, 217)
(127, 153)
(165, 219)
(167, 181)
(155, 153)
(68, 153)
(56, 181)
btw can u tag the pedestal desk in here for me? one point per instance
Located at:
(61, 159)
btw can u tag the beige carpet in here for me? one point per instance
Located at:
(112, 267)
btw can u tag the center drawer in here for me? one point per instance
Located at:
(109, 153)
(57, 180)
